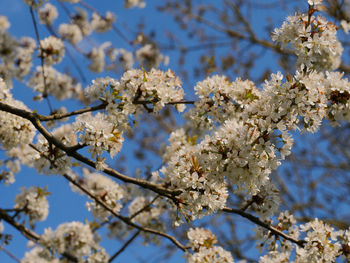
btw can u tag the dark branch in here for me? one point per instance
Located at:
(258, 222)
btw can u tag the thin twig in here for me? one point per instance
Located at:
(58, 116)
(144, 208)
(11, 255)
(127, 243)
(145, 102)
(45, 95)
(196, 47)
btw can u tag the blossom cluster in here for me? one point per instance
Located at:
(313, 40)
(10, 168)
(14, 130)
(220, 100)
(49, 159)
(52, 49)
(135, 3)
(16, 55)
(322, 243)
(135, 91)
(250, 135)
(99, 133)
(44, 156)
(150, 57)
(285, 222)
(202, 243)
(75, 240)
(47, 14)
(33, 202)
(144, 217)
(59, 85)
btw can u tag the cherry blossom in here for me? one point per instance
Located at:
(235, 135)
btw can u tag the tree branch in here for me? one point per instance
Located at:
(126, 220)
(21, 228)
(257, 221)
(71, 151)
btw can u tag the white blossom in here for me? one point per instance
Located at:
(275, 257)
(201, 242)
(51, 159)
(81, 19)
(4, 24)
(24, 57)
(321, 243)
(10, 167)
(101, 89)
(76, 239)
(345, 25)
(102, 24)
(14, 130)
(59, 85)
(39, 255)
(266, 201)
(338, 94)
(315, 43)
(150, 57)
(52, 50)
(156, 87)
(314, 2)
(200, 237)
(136, 91)
(47, 14)
(70, 32)
(285, 223)
(134, 3)
(33, 202)
(345, 242)
(213, 255)
(99, 133)
(124, 57)
(220, 100)
(97, 57)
